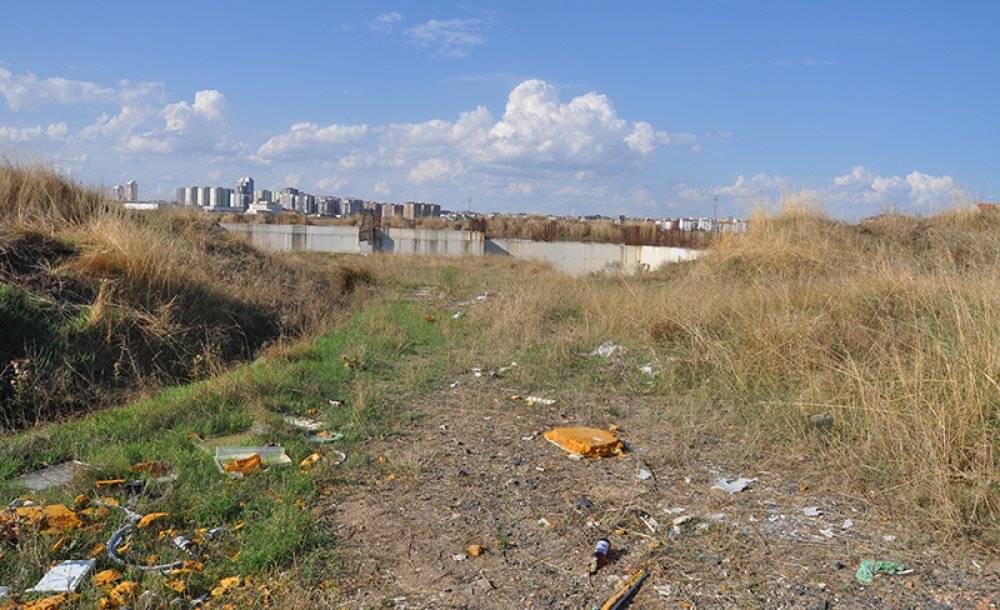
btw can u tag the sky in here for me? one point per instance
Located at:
(644, 108)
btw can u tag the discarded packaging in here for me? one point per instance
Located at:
(537, 400)
(733, 486)
(869, 568)
(243, 466)
(647, 369)
(608, 349)
(648, 520)
(626, 591)
(457, 315)
(589, 442)
(273, 455)
(848, 524)
(325, 436)
(812, 511)
(66, 576)
(475, 550)
(303, 423)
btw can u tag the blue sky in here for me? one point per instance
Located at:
(639, 108)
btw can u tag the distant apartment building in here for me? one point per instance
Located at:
(327, 205)
(263, 195)
(243, 190)
(413, 210)
(118, 192)
(304, 203)
(388, 210)
(131, 191)
(351, 206)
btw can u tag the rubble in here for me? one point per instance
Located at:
(732, 486)
(65, 576)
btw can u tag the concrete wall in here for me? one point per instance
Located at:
(429, 241)
(286, 238)
(579, 258)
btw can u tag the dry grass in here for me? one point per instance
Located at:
(136, 299)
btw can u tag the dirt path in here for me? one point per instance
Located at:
(478, 471)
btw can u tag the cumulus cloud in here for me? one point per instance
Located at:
(308, 139)
(382, 187)
(435, 170)
(37, 133)
(449, 37)
(26, 91)
(859, 192)
(187, 127)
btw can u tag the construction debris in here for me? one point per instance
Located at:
(303, 423)
(65, 576)
(272, 455)
(53, 476)
(587, 442)
(626, 591)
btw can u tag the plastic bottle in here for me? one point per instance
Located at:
(600, 557)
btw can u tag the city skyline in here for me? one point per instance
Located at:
(644, 110)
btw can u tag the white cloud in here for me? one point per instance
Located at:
(199, 126)
(860, 192)
(24, 135)
(382, 187)
(309, 139)
(386, 22)
(519, 188)
(435, 170)
(332, 183)
(26, 91)
(449, 37)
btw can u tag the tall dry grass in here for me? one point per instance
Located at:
(890, 326)
(139, 298)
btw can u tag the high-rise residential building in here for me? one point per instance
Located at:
(190, 195)
(179, 197)
(244, 192)
(263, 195)
(131, 191)
(218, 197)
(118, 192)
(203, 195)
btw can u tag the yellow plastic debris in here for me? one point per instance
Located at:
(107, 577)
(125, 591)
(309, 460)
(625, 591)
(225, 585)
(590, 442)
(149, 519)
(49, 603)
(155, 468)
(475, 550)
(245, 466)
(108, 483)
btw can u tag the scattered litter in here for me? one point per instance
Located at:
(303, 423)
(65, 576)
(269, 454)
(537, 400)
(475, 550)
(241, 467)
(664, 590)
(53, 476)
(645, 474)
(309, 460)
(334, 402)
(341, 457)
(454, 384)
(889, 538)
(4, 594)
(459, 557)
(648, 370)
(528, 438)
(600, 556)
(545, 523)
(848, 524)
(678, 521)
(648, 520)
(675, 510)
(148, 520)
(608, 349)
(477, 300)
(869, 568)
(733, 486)
(477, 372)
(827, 532)
(325, 436)
(152, 467)
(590, 442)
(626, 591)
(458, 314)
(183, 544)
(812, 511)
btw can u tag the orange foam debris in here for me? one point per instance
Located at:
(590, 442)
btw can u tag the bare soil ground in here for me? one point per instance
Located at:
(477, 470)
